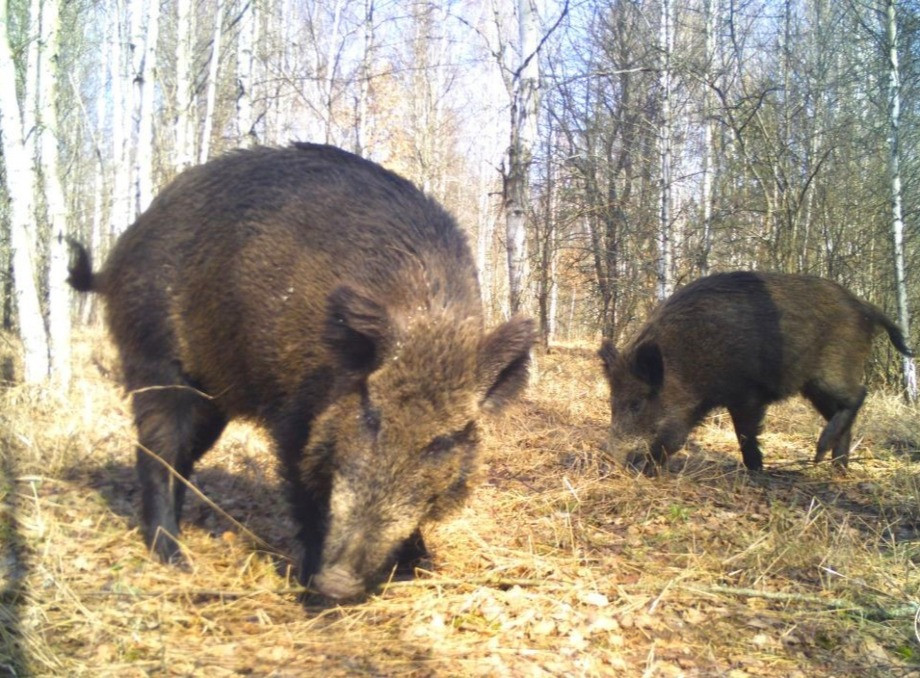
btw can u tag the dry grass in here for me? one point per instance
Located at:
(561, 564)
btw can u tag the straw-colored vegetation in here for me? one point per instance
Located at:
(562, 563)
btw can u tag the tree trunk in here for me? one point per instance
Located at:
(525, 102)
(245, 125)
(145, 50)
(58, 289)
(20, 185)
(213, 64)
(909, 374)
(665, 45)
(362, 133)
(185, 143)
(711, 13)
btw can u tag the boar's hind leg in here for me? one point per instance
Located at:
(178, 425)
(747, 420)
(840, 412)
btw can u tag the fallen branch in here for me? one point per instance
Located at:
(873, 613)
(492, 582)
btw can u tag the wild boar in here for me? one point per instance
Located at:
(330, 300)
(743, 340)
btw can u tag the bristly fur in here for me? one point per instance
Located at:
(328, 298)
(743, 340)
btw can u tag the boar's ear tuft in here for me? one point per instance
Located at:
(648, 365)
(356, 331)
(608, 355)
(504, 361)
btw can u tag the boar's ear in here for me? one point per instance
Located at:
(504, 359)
(608, 355)
(648, 365)
(356, 329)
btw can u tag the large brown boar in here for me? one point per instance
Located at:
(329, 299)
(741, 341)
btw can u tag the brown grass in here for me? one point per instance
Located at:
(561, 563)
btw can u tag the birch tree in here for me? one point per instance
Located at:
(894, 168)
(525, 102)
(665, 254)
(185, 142)
(48, 132)
(20, 189)
(213, 65)
(246, 39)
(144, 52)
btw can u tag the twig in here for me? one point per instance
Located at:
(498, 583)
(873, 613)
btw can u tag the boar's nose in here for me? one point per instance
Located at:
(338, 582)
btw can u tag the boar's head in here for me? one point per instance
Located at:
(648, 416)
(398, 441)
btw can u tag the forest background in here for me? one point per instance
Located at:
(597, 154)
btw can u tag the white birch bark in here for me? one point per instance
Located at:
(19, 182)
(30, 98)
(665, 45)
(213, 64)
(145, 70)
(525, 101)
(362, 122)
(121, 213)
(185, 149)
(245, 130)
(58, 289)
(710, 15)
(909, 374)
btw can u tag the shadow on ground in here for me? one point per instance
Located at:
(13, 570)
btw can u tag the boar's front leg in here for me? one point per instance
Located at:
(175, 426)
(748, 420)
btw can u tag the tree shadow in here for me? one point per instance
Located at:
(14, 566)
(249, 505)
(883, 517)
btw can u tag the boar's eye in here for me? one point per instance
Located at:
(439, 447)
(442, 445)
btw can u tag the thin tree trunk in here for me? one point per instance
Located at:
(362, 132)
(205, 147)
(145, 70)
(121, 213)
(20, 184)
(58, 289)
(185, 151)
(525, 102)
(665, 45)
(245, 130)
(711, 11)
(909, 374)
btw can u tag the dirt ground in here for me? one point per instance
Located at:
(561, 563)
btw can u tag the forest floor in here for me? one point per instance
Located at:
(561, 563)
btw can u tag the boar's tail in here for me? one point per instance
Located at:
(891, 327)
(81, 276)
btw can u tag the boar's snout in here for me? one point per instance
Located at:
(339, 582)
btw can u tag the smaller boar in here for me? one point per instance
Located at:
(743, 340)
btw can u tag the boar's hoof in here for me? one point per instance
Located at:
(166, 548)
(338, 583)
(642, 463)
